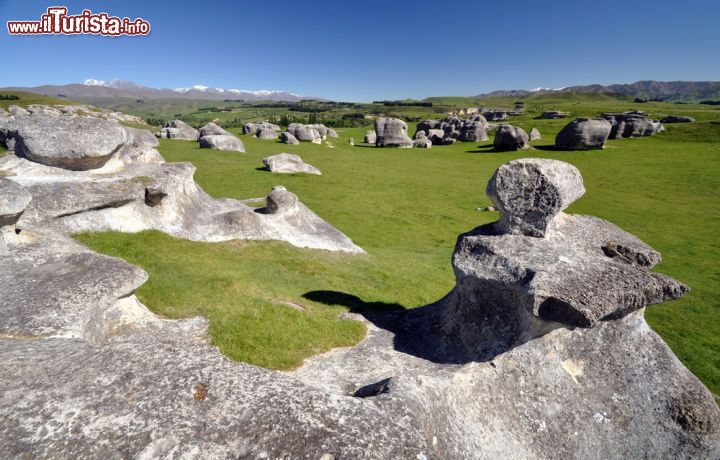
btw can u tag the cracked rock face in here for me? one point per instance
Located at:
(14, 199)
(178, 129)
(211, 129)
(224, 142)
(632, 124)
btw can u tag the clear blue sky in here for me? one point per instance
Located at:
(375, 49)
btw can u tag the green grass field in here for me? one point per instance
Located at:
(406, 207)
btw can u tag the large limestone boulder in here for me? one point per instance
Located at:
(225, 142)
(287, 138)
(583, 134)
(14, 198)
(266, 133)
(391, 132)
(178, 129)
(69, 142)
(211, 129)
(287, 163)
(509, 138)
(304, 133)
(252, 128)
(473, 131)
(422, 143)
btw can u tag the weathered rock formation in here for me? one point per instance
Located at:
(252, 128)
(391, 132)
(632, 124)
(287, 163)
(211, 129)
(178, 129)
(287, 138)
(370, 137)
(134, 189)
(677, 119)
(540, 351)
(509, 138)
(583, 134)
(452, 128)
(266, 133)
(535, 135)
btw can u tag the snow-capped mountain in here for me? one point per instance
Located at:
(93, 88)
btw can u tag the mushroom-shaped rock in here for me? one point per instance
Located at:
(391, 132)
(509, 138)
(226, 142)
(211, 129)
(288, 138)
(583, 134)
(69, 142)
(14, 198)
(178, 129)
(370, 137)
(280, 201)
(535, 135)
(287, 163)
(531, 192)
(266, 133)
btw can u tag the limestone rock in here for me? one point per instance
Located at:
(554, 114)
(370, 137)
(288, 163)
(632, 124)
(422, 143)
(391, 132)
(211, 129)
(583, 134)
(473, 131)
(508, 138)
(535, 135)
(69, 142)
(178, 129)
(266, 133)
(252, 128)
(14, 199)
(287, 138)
(530, 193)
(226, 142)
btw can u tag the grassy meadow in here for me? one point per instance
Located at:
(406, 207)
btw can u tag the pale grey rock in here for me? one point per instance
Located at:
(495, 115)
(14, 198)
(391, 132)
(332, 133)
(287, 163)
(178, 129)
(266, 133)
(420, 135)
(436, 136)
(473, 131)
(287, 138)
(225, 142)
(531, 192)
(69, 142)
(211, 129)
(677, 119)
(370, 137)
(583, 134)
(422, 143)
(17, 110)
(535, 135)
(252, 128)
(509, 138)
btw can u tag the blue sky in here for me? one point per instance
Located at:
(367, 50)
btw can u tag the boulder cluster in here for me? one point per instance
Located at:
(262, 130)
(178, 129)
(316, 133)
(540, 350)
(632, 124)
(452, 129)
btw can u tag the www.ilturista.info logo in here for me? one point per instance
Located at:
(57, 22)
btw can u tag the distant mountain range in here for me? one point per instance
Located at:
(122, 88)
(648, 89)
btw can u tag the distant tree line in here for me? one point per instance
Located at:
(9, 97)
(710, 102)
(404, 103)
